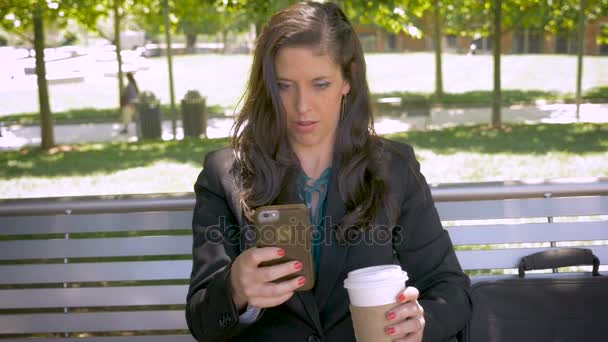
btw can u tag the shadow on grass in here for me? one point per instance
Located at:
(478, 98)
(106, 158)
(515, 139)
(77, 160)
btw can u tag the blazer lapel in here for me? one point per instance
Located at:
(302, 302)
(333, 254)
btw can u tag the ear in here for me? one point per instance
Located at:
(345, 87)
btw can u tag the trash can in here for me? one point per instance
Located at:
(417, 106)
(149, 116)
(194, 114)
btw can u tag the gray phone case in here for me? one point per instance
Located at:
(287, 226)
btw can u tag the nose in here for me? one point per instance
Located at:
(303, 100)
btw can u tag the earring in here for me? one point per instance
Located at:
(343, 110)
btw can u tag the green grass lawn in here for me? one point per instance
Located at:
(460, 154)
(221, 78)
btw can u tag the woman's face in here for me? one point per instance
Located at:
(311, 88)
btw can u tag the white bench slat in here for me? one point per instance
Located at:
(85, 223)
(93, 296)
(509, 258)
(147, 338)
(529, 232)
(81, 248)
(95, 321)
(522, 208)
(91, 272)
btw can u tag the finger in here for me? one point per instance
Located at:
(410, 338)
(404, 311)
(409, 294)
(255, 256)
(403, 328)
(268, 302)
(271, 273)
(279, 289)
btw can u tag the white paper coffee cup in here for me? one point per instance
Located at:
(376, 285)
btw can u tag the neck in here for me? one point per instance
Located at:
(314, 160)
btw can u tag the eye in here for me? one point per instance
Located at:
(321, 85)
(283, 85)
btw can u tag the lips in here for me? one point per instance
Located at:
(306, 126)
(306, 123)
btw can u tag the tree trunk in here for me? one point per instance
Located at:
(117, 4)
(259, 26)
(496, 99)
(224, 34)
(170, 63)
(581, 51)
(190, 42)
(438, 63)
(46, 120)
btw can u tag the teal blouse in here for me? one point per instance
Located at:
(305, 193)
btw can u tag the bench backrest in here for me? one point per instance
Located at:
(74, 268)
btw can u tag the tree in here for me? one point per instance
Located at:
(570, 15)
(494, 18)
(257, 11)
(413, 17)
(196, 17)
(496, 96)
(24, 16)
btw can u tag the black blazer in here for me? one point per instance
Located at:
(418, 242)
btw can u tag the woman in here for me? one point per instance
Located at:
(128, 99)
(305, 135)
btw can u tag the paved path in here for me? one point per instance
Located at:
(15, 137)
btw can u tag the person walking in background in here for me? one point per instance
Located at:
(127, 102)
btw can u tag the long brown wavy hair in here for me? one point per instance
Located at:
(259, 135)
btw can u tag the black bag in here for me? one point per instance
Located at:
(542, 309)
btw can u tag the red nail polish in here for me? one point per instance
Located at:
(301, 281)
(281, 252)
(298, 265)
(402, 298)
(390, 330)
(391, 316)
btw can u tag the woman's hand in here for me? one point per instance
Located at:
(407, 319)
(253, 284)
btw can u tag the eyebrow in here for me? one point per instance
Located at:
(314, 79)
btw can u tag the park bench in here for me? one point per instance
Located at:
(115, 269)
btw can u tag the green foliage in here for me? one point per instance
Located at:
(17, 15)
(602, 38)
(256, 11)
(190, 17)
(599, 94)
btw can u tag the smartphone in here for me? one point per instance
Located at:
(287, 226)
